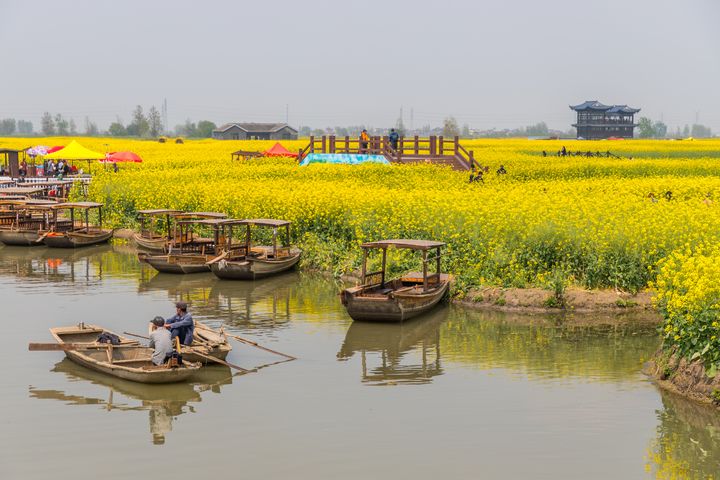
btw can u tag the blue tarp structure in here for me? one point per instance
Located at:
(342, 158)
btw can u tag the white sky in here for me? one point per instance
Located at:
(504, 63)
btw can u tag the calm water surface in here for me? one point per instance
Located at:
(456, 394)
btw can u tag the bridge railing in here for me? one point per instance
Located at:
(415, 147)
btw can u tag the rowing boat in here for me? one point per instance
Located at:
(128, 360)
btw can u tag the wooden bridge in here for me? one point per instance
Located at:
(432, 149)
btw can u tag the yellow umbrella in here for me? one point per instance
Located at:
(75, 151)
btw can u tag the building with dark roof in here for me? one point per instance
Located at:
(255, 131)
(596, 121)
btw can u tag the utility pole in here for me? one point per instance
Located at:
(165, 115)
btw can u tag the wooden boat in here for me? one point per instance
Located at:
(148, 237)
(378, 300)
(128, 361)
(189, 253)
(79, 235)
(208, 341)
(247, 262)
(32, 222)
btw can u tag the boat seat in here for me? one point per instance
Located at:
(385, 291)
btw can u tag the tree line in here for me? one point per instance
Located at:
(648, 128)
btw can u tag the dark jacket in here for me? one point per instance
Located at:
(184, 327)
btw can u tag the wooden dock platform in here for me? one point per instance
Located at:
(433, 149)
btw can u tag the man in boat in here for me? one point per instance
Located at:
(181, 324)
(161, 341)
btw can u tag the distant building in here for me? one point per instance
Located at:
(597, 121)
(255, 131)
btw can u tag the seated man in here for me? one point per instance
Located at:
(160, 340)
(181, 324)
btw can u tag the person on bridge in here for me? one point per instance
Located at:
(394, 138)
(364, 139)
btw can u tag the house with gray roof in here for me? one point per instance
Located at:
(255, 131)
(596, 121)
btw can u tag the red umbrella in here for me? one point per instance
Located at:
(278, 150)
(115, 157)
(55, 149)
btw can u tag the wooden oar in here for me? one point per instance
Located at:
(201, 355)
(51, 347)
(216, 360)
(217, 259)
(42, 237)
(250, 342)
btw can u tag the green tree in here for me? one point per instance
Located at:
(47, 124)
(139, 127)
(450, 127)
(117, 129)
(700, 131)
(62, 125)
(205, 128)
(155, 125)
(24, 127)
(73, 127)
(645, 128)
(8, 126)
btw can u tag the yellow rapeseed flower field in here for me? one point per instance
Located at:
(599, 222)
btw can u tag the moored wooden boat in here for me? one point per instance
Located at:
(189, 253)
(34, 219)
(128, 360)
(402, 298)
(148, 237)
(79, 235)
(246, 262)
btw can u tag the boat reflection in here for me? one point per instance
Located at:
(164, 403)
(405, 353)
(260, 304)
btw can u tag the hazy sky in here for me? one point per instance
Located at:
(501, 63)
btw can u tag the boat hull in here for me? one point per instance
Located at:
(23, 238)
(76, 239)
(164, 264)
(252, 269)
(164, 375)
(392, 308)
(152, 245)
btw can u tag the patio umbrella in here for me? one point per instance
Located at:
(114, 157)
(55, 148)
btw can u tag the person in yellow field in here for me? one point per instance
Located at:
(364, 139)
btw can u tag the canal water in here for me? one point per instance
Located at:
(455, 394)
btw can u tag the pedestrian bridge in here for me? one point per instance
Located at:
(433, 149)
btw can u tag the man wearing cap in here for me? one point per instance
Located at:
(181, 324)
(160, 340)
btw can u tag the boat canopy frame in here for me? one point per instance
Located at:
(86, 207)
(404, 244)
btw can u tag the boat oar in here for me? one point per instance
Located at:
(217, 259)
(201, 355)
(51, 347)
(251, 343)
(42, 237)
(216, 360)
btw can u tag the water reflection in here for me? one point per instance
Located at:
(549, 347)
(397, 353)
(164, 403)
(265, 304)
(88, 266)
(688, 440)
